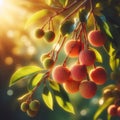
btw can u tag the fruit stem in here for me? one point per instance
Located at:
(46, 75)
(64, 38)
(92, 12)
(53, 50)
(59, 12)
(75, 10)
(77, 32)
(94, 66)
(85, 35)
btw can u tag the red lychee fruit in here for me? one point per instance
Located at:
(98, 75)
(87, 57)
(96, 38)
(60, 74)
(87, 89)
(78, 72)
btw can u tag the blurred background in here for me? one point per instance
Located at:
(18, 48)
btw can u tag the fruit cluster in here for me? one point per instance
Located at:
(77, 78)
(114, 109)
(83, 76)
(49, 35)
(31, 108)
(112, 91)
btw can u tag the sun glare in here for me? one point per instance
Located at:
(1, 2)
(10, 13)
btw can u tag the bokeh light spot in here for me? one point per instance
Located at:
(83, 112)
(8, 60)
(10, 92)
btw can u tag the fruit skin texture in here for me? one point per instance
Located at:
(87, 89)
(34, 105)
(112, 110)
(98, 75)
(48, 63)
(72, 48)
(71, 86)
(87, 57)
(96, 38)
(39, 33)
(24, 106)
(60, 74)
(49, 36)
(78, 72)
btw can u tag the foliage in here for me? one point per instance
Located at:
(78, 18)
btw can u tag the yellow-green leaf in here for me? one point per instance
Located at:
(107, 29)
(40, 16)
(109, 117)
(48, 2)
(103, 107)
(47, 98)
(65, 105)
(63, 2)
(54, 85)
(23, 72)
(114, 63)
(98, 55)
(35, 80)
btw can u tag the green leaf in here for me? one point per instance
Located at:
(104, 26)
(114, 63)
(63, 100)
(40, 16)
(47, 97)
(98, 55)
(54, 85)
(65, 105)
(103, 107)
(63, 2)
(23, 72)
(107, 29)
(35, 80)
(109, 117)
(110, 30)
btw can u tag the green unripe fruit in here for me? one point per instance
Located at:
(24, 106)
(67, 27)
(31, 113)
(49, 36)
(48, 63)
(44, 56)
(34, 105)
(39, 33)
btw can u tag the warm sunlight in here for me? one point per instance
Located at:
(10, 13)
(1, 3)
